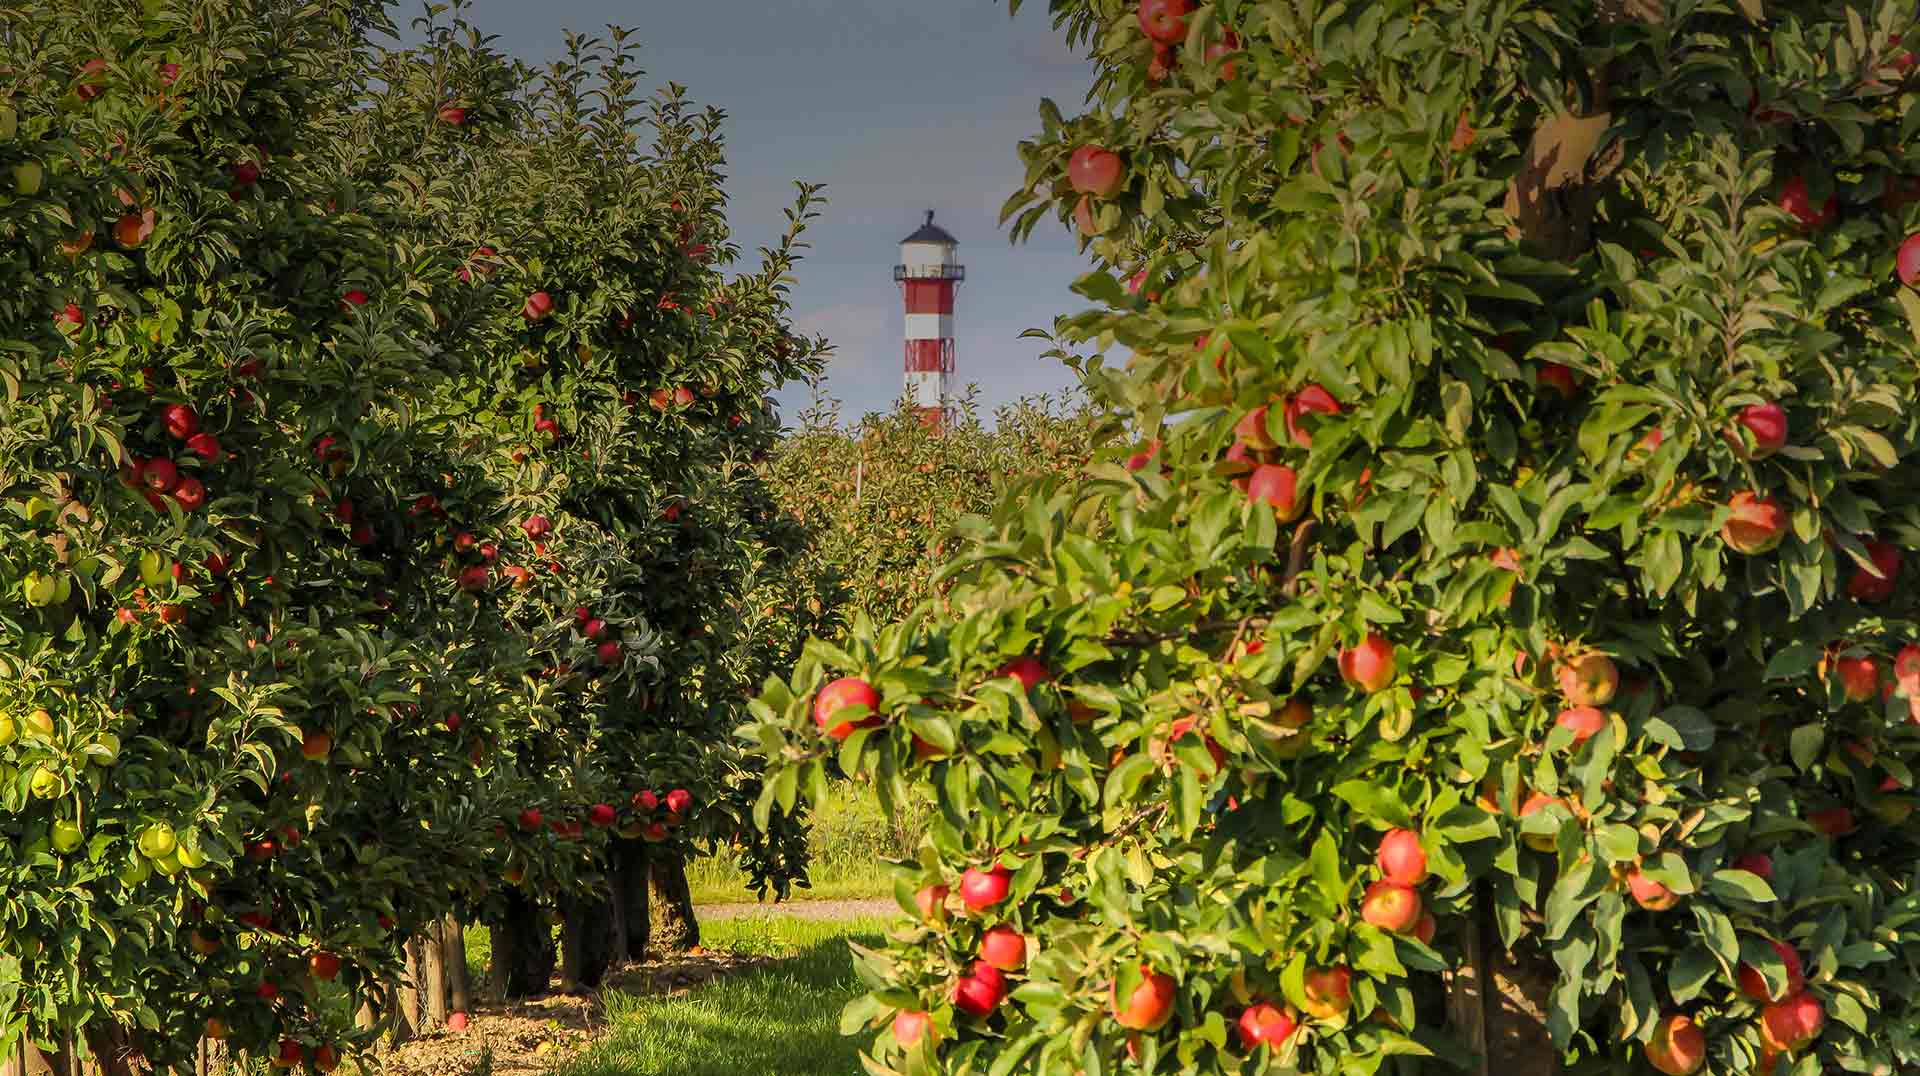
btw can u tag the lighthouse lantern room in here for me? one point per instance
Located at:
(928, 277)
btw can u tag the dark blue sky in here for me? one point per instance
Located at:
(898, 106)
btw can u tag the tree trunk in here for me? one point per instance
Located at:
(406, 1024)
(674, 928)
(1497, 1000)
(433, 961)
(586, 940)
(632, 924)
(454, 936)
(523, 954)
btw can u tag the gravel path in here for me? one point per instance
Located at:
(801, 909)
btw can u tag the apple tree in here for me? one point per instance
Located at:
(880, 497)
(1489, 643)
(606, 439)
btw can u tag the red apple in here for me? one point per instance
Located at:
(1797, 200)
(537, 306)
(1557, 378)
(1165, 21)
(1162, 751)
(839, 695)
(351, 299)
(609, 653)
(291, 1054)
(191, 493)
(133, 229)
(206, 446)
(1083, 216)
(1391, 906)
(1757, 524)
(1791, 1024)
(1754, 985)
(1004, 948)
(1095, 170)
(456, 1021)
(1907, 261)
(1761, 431)
(601, 815)
(530, 819)
(645, 800)
(679, 801)
(1310, 400)
(325, 1059)
(910, 1027)
(1859, 677)
(1225, 47)
(932, 902)
(1401, 858)
(1328, 992)
(160, 476)
(1876, 585)
(982, 889)
(1277, 486)
(87, 91)
(1649, 894)
(323, 966)
(1149, 1006)
(537, 527)
(1139, 460)
(1678, 1047)
(1832, 821)
(1028, 670)
(980, 991)
(1589, 680)
(473, 577)
(1252, 430)
(181, 420)
(1266, 1024)
(1425, 928)
(1369, 666)
(1756, 863)
(452, 115)
(315, 746)
(1585, 721)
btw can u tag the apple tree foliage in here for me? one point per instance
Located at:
(286, 658)
(1516, 450)
(881, 496)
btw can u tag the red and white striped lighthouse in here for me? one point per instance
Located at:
(928, 277)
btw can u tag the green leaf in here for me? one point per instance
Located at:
(1805, 745)
(1739, 885)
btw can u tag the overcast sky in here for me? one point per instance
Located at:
(898, 106)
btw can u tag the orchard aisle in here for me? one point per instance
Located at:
(764, 996)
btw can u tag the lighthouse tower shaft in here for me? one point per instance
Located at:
(928, 277)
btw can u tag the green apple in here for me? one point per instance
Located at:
(39, 590)
(104, 750)
(168, 865)
(40, 724)
(158, 840)
(136, 871)
(9, 123)
(27, 178)
(45, 783)
(66, 835)
(154, 570)
(189, 853)
(9, 729)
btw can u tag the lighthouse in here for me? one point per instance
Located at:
(928, 276)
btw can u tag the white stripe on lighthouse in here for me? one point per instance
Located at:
(926, 389)
(929, 326)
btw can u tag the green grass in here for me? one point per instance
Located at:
(849, 837)
(781, 1019)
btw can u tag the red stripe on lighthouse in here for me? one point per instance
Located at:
(929, 296)
(927, 356)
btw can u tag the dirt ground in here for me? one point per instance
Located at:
(531, 1037)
